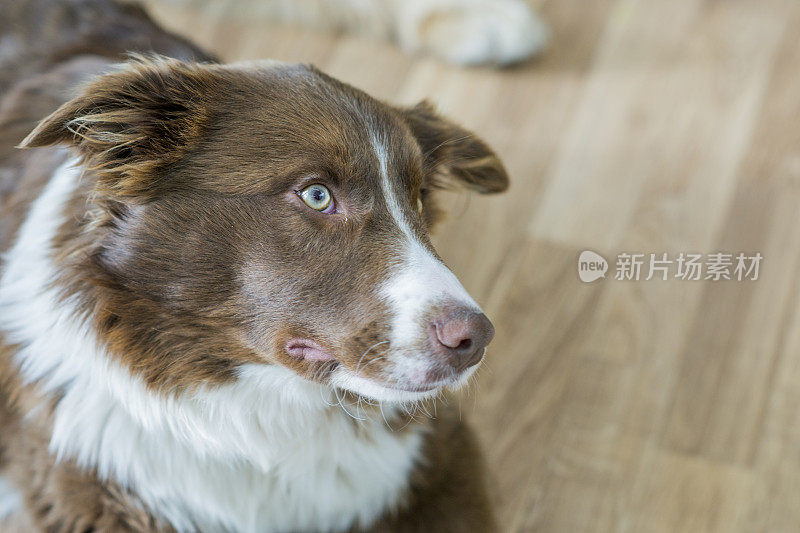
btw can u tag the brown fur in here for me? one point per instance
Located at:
(184, 208)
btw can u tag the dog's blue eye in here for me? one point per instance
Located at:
(317, 197)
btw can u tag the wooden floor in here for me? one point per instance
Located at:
(649, 126)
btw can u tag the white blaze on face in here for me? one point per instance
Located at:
(418, 282)
(420, 279)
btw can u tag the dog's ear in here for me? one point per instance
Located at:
(130, 123)
(452, 151)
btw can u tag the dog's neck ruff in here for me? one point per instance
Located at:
(267, 452)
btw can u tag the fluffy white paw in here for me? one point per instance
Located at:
(471, 32)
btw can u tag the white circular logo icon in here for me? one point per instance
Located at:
(591, 266)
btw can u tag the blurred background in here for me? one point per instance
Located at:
(646, 126)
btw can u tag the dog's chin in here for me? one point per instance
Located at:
(371, 389)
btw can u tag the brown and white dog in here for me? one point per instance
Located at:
(219, 303)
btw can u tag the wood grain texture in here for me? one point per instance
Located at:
(649, 126)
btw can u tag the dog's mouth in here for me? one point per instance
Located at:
(394, 391)
(426, 384)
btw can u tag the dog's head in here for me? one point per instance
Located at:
(267, 213)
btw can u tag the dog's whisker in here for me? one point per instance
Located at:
(424, 408)
(374, 360)
(341, 404)
(324, 400)
(361, 359)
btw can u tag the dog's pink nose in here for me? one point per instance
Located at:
(462, 336)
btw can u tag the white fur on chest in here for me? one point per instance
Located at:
(266, 453)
